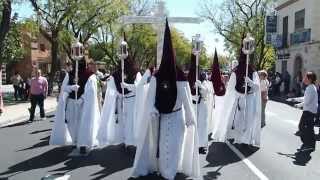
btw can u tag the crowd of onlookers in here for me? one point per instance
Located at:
(281, 83)
(21, 87)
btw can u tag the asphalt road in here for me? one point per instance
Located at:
(26, 155)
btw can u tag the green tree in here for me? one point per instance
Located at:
(234, 18)
(52, 17)
(12, 51)
(95, 14)
(5, 19)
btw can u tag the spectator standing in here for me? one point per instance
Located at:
(264, 84)
(298, 84)
(1, 101)
(27, 88)
(276, 84)
(38, 92)
(309, 102)
(16, 81)
(286, 81)
(317, 121)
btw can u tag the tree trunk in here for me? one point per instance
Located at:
(55, 63)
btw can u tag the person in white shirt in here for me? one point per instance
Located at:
(264, 85)
(309, 102)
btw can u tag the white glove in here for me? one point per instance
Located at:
(189, 123)
(195, 98)
(198, 83)
(75, 87)
(130, 87)
(290, 99)
(299, 105)
(80, 101)
(155, 114)
(248, 81)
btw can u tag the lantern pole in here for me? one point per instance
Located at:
(196, 43)
(123, 55)
(77, 54)
(248, 49)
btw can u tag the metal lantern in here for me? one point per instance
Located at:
(77, 51)
(123, 50)
(248, 44)
(196, 44)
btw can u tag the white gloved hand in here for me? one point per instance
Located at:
(80, 101)
(155, 114)
(198, 83)
(75, 87)
(299, 105)
(248, 81)
(290, 99)
(189, 123)
(130, 87)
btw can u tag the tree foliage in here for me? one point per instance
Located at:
(5, 19)
(234, 18)
(12, 49)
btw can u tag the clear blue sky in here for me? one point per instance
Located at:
(181, 8)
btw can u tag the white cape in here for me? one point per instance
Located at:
(60, 134)
(90, 119)
(145, 159)
(252, 133)
(110, 131)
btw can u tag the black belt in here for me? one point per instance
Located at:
(127, 97)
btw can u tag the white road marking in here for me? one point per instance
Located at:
(250, 165)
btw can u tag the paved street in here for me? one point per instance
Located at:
(25, 155)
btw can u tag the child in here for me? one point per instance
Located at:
(310, 106)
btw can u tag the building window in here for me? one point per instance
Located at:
(42, 47)
(299, 20)
(285, 32)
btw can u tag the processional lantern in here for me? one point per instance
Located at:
(123, 50)
(77, 51)
(196, 44)
(248, 44)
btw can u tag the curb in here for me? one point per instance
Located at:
(22, 118)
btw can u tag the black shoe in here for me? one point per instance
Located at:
(202, 150)
(307, 149)
(317, 123)
(298, 133)
(83, 150)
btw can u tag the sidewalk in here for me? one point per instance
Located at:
(18, 113)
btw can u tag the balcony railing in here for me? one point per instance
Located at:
(300, 37)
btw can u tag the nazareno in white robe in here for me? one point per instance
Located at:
(178, 151)
(83, 116)
(204, 108)
(116, 128)
(231, 123)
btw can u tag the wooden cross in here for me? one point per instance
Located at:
(158, 19)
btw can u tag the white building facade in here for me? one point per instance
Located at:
(298, 23)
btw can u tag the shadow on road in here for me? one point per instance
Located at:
(47, 159)
(43, 142)
(41, 131)
(300, 158)
(112, 159)
(17, 124)
(220, 155)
